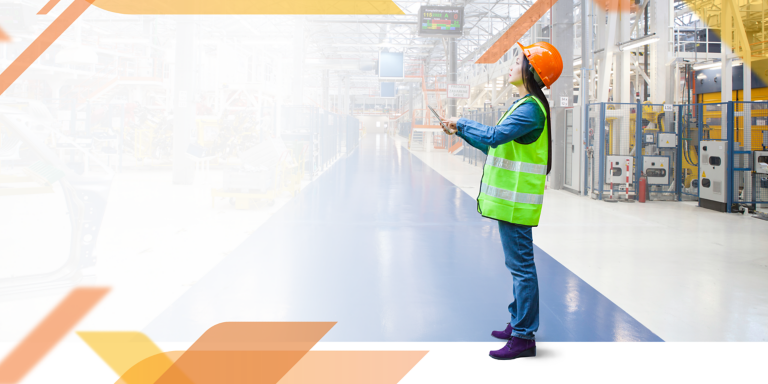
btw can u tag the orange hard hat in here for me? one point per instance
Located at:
(545, 59)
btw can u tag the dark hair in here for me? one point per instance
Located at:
(533, 85)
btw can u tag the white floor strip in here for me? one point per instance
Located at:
(469, 363)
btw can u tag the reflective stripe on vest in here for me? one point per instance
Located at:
(515, 197)
(516, 166)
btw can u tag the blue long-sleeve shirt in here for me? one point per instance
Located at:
(525, 125)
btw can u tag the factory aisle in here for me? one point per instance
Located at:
(392, 251)
(685, 272)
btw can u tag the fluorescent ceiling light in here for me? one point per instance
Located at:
(716, 64)
(577, 62)
(700, 66)
(645, 40)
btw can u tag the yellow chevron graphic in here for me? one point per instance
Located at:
(123, 350)
(250, 7)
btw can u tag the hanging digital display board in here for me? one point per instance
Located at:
(441, 21)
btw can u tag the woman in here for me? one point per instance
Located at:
(519, 150)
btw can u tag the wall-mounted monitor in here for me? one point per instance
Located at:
(391, 65)
(387, 89)
(441, 21)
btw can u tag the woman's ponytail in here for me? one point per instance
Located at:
(533, 84)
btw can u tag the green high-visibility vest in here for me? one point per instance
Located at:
(512, 188)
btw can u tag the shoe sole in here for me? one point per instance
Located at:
(530, 352)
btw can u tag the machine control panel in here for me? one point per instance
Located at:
(656, 169)
(713, 181)
(616, 169)
(760, 163)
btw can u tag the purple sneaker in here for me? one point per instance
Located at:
(516, 347)
(505, 334)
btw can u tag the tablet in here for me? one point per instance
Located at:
(436, 114)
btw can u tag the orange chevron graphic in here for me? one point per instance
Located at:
(516, 31)
(249, 352)
(150, 369)
(4, 36)
(188, 7)
(347, 367)
(529, 18)
(41, 44)
(47, 8)
(49, 332)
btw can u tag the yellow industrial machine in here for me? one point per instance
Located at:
(690, 151)
(207, 130)
(142, 143)
(288, 177)
(652, 113)
(711, 127)
(610, 121)
(653, 122)
(265, 173)
(713, 117)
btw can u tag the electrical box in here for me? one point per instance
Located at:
(667, 140)
(656, 169)
(713, 180)
(760, 163)
(650, 138)
(616, 169)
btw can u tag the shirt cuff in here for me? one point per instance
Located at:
(460, 125)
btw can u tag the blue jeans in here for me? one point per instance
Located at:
(517, 241)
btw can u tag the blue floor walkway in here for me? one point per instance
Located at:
(392, 251)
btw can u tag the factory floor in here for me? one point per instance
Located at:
(388, 244)
(687, 273)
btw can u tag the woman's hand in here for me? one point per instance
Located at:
(449, 126)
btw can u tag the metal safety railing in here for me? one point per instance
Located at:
(337, 135)
(664, 144)
(749, 130)
(328, 134)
